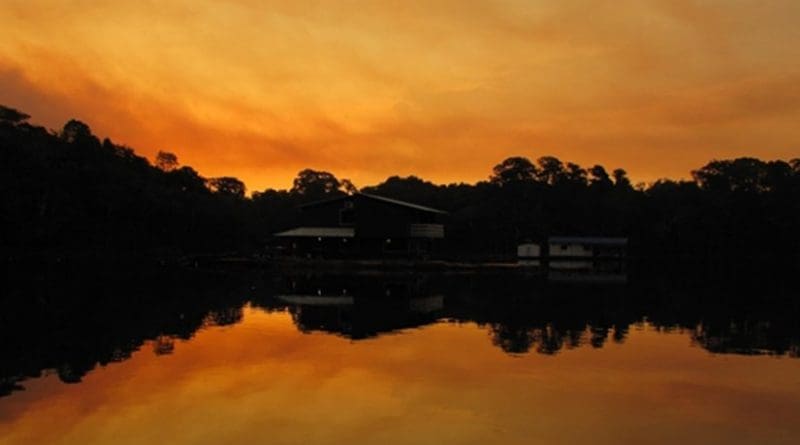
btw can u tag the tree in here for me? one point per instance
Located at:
(348, 187)
(575, 174)
(315, 184)
(777, 175)
(410, 188)
(188, 180)
(741, 175)
(514, 169)
(76, 131)
(621, 179)
(795, 163)
(12, 116)
(551, 170)
(512, 339)
(166, 161)
(599, 177)
(227, 185)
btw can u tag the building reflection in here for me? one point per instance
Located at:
(70, 325)
(358, 307)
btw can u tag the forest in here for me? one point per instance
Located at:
(67, 192)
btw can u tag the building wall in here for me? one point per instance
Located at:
(529, 254)
(529, 250)
(376, 219)
(371, 218)
(570, 250)
(325, 214)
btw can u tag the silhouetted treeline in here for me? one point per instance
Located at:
(68, 190)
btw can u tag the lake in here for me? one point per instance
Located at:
(246, 356)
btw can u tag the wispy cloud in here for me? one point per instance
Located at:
(440, 89)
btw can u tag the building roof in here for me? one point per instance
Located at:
(318, 232)
(404, 203)
(379, 198)
(590, 240)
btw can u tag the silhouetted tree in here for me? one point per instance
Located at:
(227, 185)
(600, 178)
(313, 184)
(551, 170)
(621, 179)
(410, 188)
(348, 187)
(166, 161)
(75, 131)
(12, 116)
(575, 174)
(795, 163)
(514, 169)
(187, 180)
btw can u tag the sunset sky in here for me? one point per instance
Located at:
(439, 89)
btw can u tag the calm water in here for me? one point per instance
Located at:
(242, 358)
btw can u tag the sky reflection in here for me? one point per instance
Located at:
(263, 380)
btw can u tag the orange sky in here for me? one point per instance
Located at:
(439, 89)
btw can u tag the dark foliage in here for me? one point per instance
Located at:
(68, 190)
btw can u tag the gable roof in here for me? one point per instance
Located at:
(379, 198)
(404, 203)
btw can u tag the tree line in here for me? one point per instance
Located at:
(68, 191)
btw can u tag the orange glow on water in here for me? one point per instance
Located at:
(263, 381)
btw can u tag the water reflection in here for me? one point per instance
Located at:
(69, 324)
(357, 307)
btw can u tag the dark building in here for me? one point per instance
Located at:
(364, 226)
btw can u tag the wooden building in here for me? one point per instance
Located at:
(364, 226)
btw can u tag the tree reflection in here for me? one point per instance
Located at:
(68, 323)
(163, 345)
(225, 317)
(523, 315)
(71, 324)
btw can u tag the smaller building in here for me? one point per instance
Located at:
(529, 254)
(586, 252)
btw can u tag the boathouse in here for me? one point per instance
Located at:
(364, 226)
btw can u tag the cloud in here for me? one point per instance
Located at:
(443, 90)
